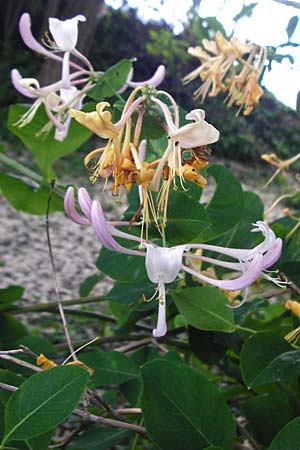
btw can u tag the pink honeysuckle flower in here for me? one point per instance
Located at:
(191, 135)
(55, 105)
(65, 34)
(164, 264)
(156, 79)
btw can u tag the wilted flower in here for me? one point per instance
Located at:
(164, 264)
(224, 69)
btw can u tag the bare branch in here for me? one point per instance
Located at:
(20, 362)
(111, 422)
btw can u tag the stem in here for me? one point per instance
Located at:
(57, 292)
(21, 363)
(49, 306)
(248, 330)
(20, 168)
(111, 422)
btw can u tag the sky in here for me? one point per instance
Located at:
(267, 26)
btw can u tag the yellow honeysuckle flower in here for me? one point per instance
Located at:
(99, 121)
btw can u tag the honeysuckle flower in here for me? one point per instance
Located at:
(55, 105)
(65, 34)
(196, 134)
(223, 68)
(164, 264)
(156, 79)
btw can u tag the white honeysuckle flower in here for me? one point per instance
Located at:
(191, 135)
(65, 32)
(156, 79)
(164, 264)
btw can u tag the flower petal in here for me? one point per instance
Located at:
(65, 32)
(16, 79)
(248, 277)
(156, 79)
(69, 205)
(163, 263)
(30, 41)
(161, 327)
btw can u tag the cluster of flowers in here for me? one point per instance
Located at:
(77, 77)
(229, 66)
(122, 160)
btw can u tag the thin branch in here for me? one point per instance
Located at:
(133, 345)
(274, 293)
(8, 387)
(246, 433)
(111, 422)
(128, 411)
(21, 363)
(57, 291)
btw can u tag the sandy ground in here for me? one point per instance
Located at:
(25, 257)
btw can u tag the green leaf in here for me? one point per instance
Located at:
(205, 308)
(227, 203)
(182, 409)
(10, 329)
(187, 219)
(111, 81)
(267, 358)
(240, 235)
(267, 414)
(45, 149)
(291, 26)
(8, 377)
(40, 442)
(43, 401)
(131, 293)
(28, 199)
(10, 295)
(121, 267)
(37, 345)
(110, 367)
(89, 283)
(288, 438)
(97, 438)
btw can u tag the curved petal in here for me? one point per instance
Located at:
(247, 278)
(156, 79)
(16, 79)
(102, 231)
(198, 133)
(69, 205)
(30, 41)
(168, 116)
(85, 202)
(65, 32)
(273, 254)
(163, 263)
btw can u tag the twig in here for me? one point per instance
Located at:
(239, 446)
(20, 362)
(246, 433)
(97, 400)
(274, 293)
(57, 292)
(108, 339)
(159, 346)
(8, 387)
(133, 345)
(111, 422)
(128, 411)
(11, 352)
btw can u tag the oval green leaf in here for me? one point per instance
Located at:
(43, 401)
(205, 308)
(267, 358)
(182, 409)
(288, 437)
(110, 367)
